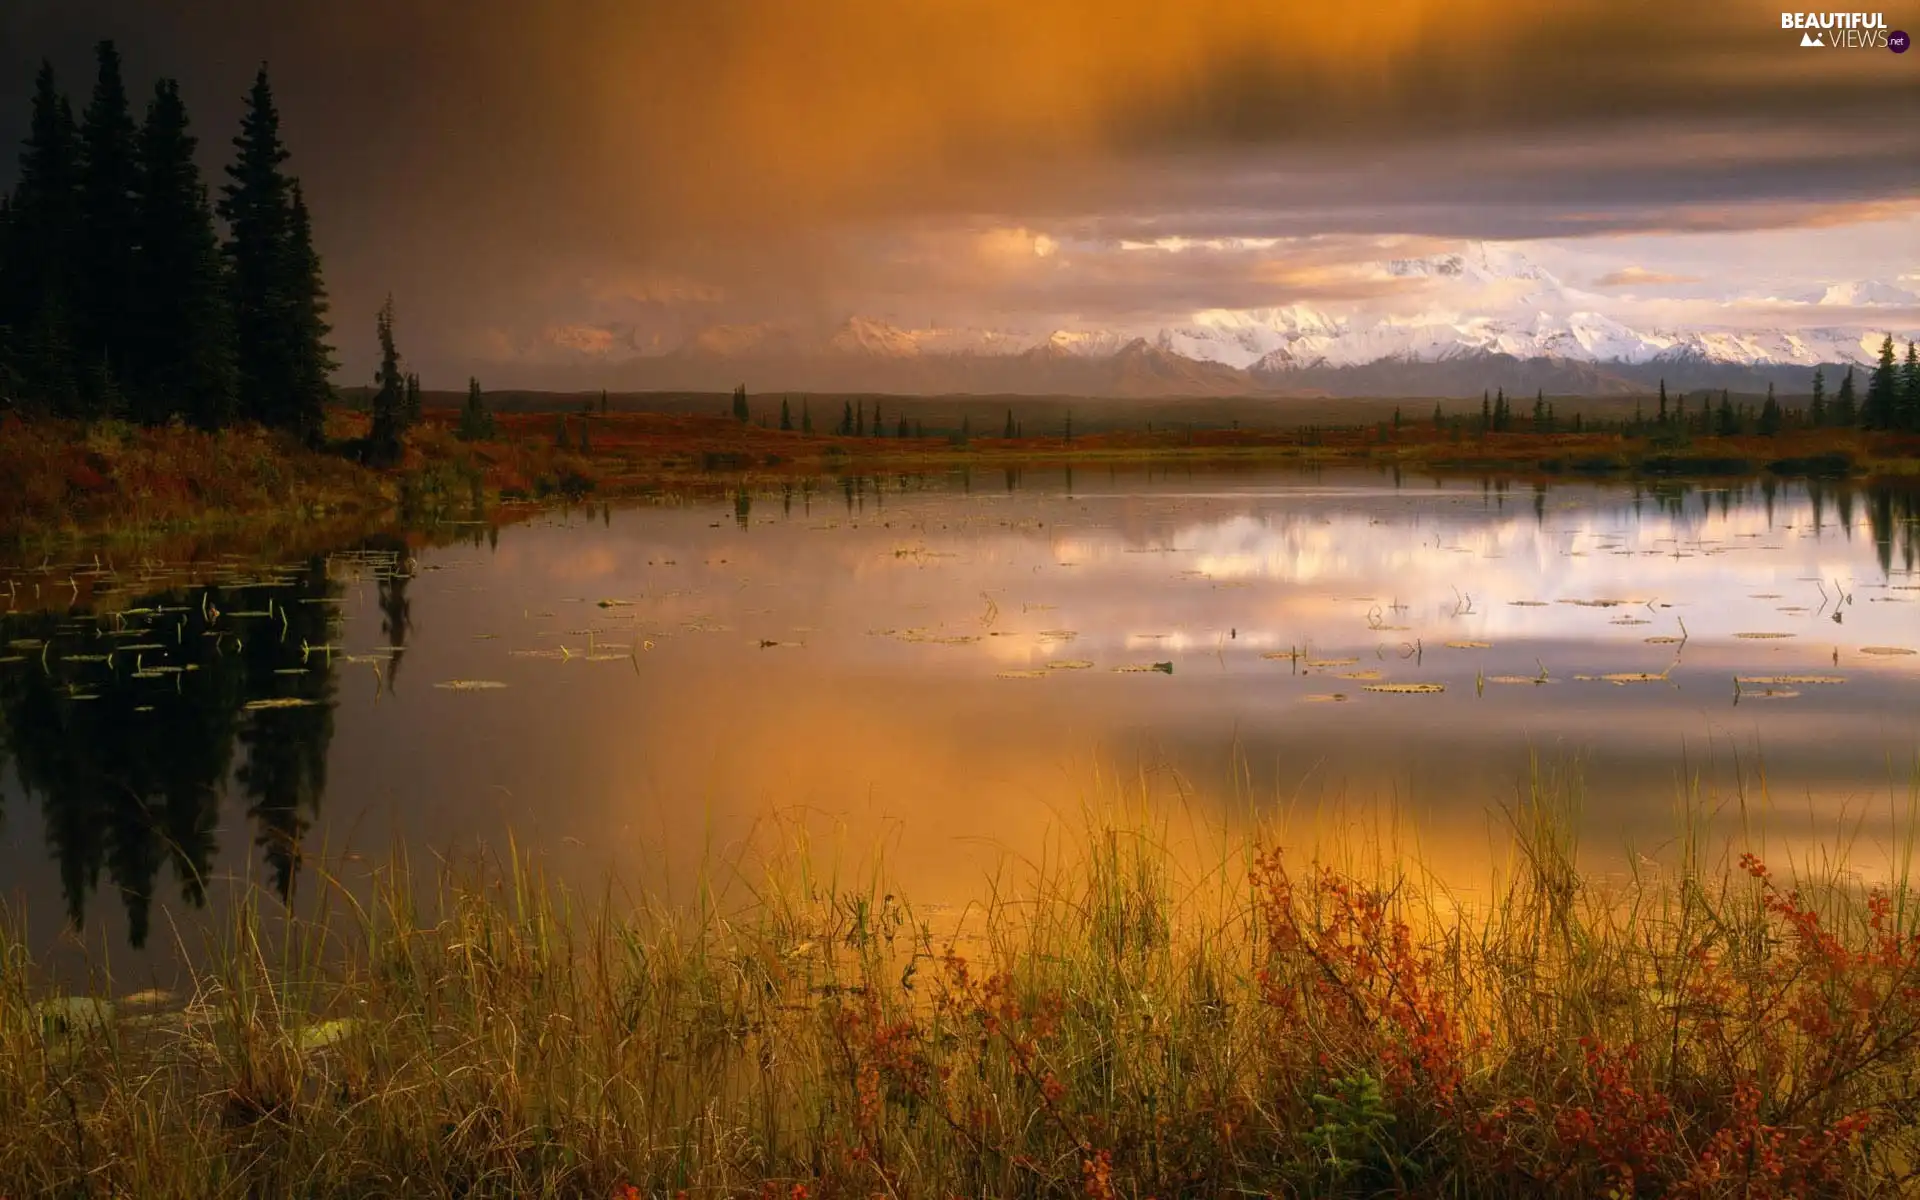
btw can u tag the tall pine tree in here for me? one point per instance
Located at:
(105, 250)
(279, 303)
(476, 423)
(1910, 389)
(390, 400)
(312, 360)
(1881, 385)
(1845, 410)
(1817, 408)
(180, 359)
(36, 263)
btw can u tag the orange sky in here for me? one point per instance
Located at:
(497, 168)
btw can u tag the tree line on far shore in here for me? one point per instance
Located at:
(119, 296)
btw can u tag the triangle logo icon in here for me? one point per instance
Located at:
(1811, 39)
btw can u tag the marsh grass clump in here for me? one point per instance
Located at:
(1129, 1018)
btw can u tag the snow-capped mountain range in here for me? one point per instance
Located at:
(1491, 317)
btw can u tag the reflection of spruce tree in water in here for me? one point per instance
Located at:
(132, 777)
(396, 610)
(1891, 514)
(286, 769)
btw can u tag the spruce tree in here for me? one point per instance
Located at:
(180, 360)
(1067, 433)
(1438, 419)
(108, 233)
(36, 265)
(1881, 385)
(1817, 409)
(1486, 412)
(846, 419)
(860, 419)
(1770, 415)
(603, 402)
(476, 423)
(1663, 403)
(806, 416)
(560, 441)
(878, 429)
(389, 401)
(410, 407)
(786, 416)
(1910, 389)
(279, 305)
(1725, 419)
(900, 430)
(1009, 430)
(1845, 411)
(1539, 412)
(313, 363)
(740, 412)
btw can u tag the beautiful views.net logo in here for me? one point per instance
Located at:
(1845, 30)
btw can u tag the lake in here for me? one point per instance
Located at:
(939, 670)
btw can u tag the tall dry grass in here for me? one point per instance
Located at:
(1131, 1017)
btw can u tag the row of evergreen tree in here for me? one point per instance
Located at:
(118, 294)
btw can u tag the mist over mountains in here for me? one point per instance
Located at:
(1484, 318)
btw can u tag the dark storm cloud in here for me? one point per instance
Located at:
(493, 161)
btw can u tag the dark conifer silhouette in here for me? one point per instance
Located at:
(37, 282)
(1881, 409)
(108, 234)
(279, 309)
(1846, 411)
(384, 442)
(181, 359)
(476, 423)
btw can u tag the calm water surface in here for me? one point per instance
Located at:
(940, 668)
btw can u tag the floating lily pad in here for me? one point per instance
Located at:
(1775, 680)
(1470, 645)
(1665, 639)
(1070, 664)
(1326, 698)
(1408, 689)
(1885, 651)
(1763, 637)
(1528, 603)
(278, 702)
(1518, 679)
(1368, 673)
(1624, 677)
(1031, 674)
(478, 685)
(1332, 662)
